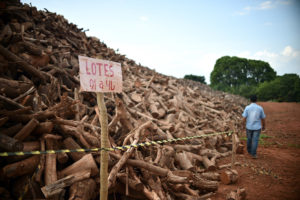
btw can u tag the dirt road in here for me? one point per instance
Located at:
(276, 172)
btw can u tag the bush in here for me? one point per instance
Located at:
(200, 79)
(283, 88)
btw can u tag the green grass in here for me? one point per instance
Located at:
(262, 136)
(297, 146)
(264, 142)
(261, 139)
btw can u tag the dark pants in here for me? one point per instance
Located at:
(252, 141)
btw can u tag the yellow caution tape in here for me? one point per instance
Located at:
(21, 153)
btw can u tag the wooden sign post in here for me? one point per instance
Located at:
(101, 76)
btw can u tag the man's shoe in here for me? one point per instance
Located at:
(254, 157)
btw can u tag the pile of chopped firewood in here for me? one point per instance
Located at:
(42, 108)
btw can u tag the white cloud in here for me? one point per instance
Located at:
(290, 52)
(144, 18)
(266, 54)
(286, 61)
(266, 5)
(171, 62)
(284, 2)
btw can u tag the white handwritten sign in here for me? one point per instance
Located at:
(98, 75)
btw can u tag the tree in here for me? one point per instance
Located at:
(283, 88)
(200, 79)
(234, 74)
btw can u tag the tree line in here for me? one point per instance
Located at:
(246, 77)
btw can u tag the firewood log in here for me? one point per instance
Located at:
(154, 169)
(70, 143)
(83, 190)
(136, 97)
(40, 116)
(25, 66)
(87, 162)
(3, 120)
(56, 187)
(191, 148)
(11, 131)
(62, 157)
(167, 158)
(126, 155)
(23, 167)
(11, 102)
(12, 88)
(44, 127)
(209, 164)
(31, 146)
(31, 48)
(184, 161)
(91, 140)
(229, 176)
(240, 194)
(6, 34)
(10, 144)
(26, 130)
(214, 176)
(73, 131)
(204, 184)
(38, 176)
(155, 185)
(62, 121)
(153, 110)
(138, 186)
(50, 175)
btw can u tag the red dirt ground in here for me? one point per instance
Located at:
(279, 154)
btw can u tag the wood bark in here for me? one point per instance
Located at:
(22, 64)
(209, 165)
(204, 184)
(31, 146)
(44, 127)
(11, 131)
(87, 162)
(10, 144)
(83, 190)
(70, 143)
(26, 130)
(56, 187)
(20, 168)
(50, 165)
(229, 176)
(239, 194)
(154, 169)
(184, 161)
(12, 88)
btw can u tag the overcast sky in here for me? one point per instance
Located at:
(179, 37)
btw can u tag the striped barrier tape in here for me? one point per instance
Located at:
(125, 147)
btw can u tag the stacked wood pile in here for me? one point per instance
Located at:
(42, 108)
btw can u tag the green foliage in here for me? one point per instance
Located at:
(245, 77)
(283, 88)
(200, 79)
(240, 75)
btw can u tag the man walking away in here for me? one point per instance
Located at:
(253, 116)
